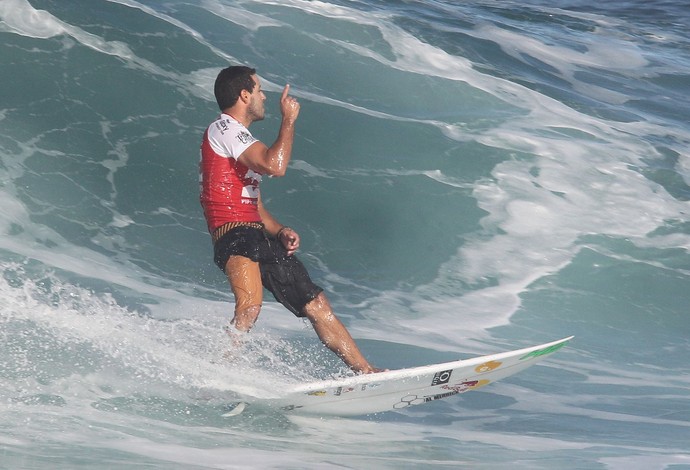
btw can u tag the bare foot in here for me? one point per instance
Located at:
(371, 370)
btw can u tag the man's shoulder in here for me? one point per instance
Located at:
(224, 125)
(227, 128)
(227, 137)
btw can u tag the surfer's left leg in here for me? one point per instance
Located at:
(335, 336)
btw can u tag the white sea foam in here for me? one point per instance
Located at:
(683, 166)
(187, 352)
(240, 16)
(18, 16)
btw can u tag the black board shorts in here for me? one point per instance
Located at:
(282, 275)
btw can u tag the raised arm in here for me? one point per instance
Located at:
(274, 160)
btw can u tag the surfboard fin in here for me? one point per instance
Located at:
(234, 409)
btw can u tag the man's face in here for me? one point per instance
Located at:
(256, 101)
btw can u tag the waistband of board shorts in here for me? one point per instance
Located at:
(225, 228)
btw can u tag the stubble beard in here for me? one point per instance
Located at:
(256, 111)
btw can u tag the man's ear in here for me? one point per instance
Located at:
(245, 96)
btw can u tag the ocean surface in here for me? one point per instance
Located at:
(467, 178)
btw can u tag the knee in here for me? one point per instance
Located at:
(319, 310)
(317, 306)
(320, 302)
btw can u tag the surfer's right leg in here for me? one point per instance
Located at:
(290, 283)
(244, 277)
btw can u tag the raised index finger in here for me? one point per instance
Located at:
(286, 90)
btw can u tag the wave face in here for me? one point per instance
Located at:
(468, 178)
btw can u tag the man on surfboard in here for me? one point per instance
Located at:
(250, 246)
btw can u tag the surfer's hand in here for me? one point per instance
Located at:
(290, 240)
(289, 106)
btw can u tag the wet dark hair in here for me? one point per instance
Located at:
(230, 82)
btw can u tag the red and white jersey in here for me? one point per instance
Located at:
(229, 191)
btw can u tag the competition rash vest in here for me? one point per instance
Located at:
(229, 191)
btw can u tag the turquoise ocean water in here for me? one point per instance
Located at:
(468, 178)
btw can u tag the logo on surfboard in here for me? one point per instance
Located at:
(487, 366)
(441, 377)
(542, 352)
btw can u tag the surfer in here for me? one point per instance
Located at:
(250, 246)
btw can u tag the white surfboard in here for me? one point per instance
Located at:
(398, 389)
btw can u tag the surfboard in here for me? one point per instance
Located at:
(402, 388)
